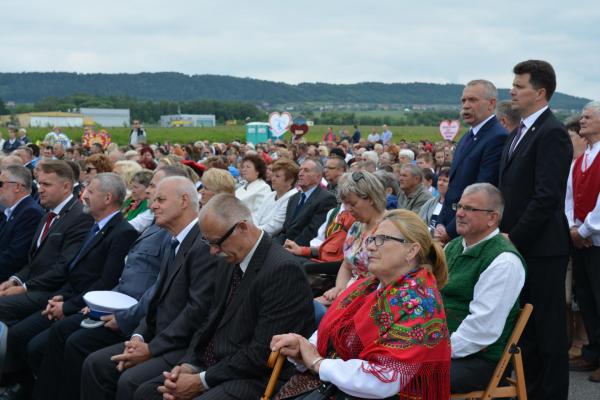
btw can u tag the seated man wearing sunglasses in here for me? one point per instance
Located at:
(485, 276)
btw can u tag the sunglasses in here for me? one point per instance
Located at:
(90, 169)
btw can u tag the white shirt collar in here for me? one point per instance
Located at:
(56, 210)
(488, 237)
(246, 261)
(102, 223)
(477, 127)
(530, 120)
(592, 151)
(9, 210)
(184, 232)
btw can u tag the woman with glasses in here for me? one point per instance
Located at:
(364, 197)
(386, 335)
(96, 164)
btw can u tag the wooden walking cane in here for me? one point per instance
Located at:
(275, 361)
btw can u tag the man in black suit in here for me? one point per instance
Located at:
(57, 240)
(181, 302)
(69, 344)
(12, 143)
(477, 155)
(307, 209)
(533, 177)
(96, 266)
(19, 220)
(265, 293)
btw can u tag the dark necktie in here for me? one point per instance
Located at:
(515, 141)
(469, 139)
(208, 357)
(300, 204)
(49, 220)
(88, 240)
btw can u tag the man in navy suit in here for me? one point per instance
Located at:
(19, 221)
(477, 155)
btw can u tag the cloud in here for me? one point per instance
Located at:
(307, 40)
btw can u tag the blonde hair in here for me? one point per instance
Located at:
(413, 229)
(218, 180)
(126, 170)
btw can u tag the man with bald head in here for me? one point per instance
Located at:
(180, 303)
(306, 210)
(264, 292)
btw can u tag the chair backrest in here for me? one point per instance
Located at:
(510, 349)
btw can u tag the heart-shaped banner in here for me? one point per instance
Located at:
(299, 130)
(279, 123)
(449, 129)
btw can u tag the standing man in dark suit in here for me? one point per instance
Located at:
(533, 178)
(180, 303)
(96, 266)
(57, 240)
(19, 221)
(264, 293)
(477, 155)
(307, 209)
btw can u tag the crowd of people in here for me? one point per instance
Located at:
(380, 268)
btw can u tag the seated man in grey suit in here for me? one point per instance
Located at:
(68, 344)
(306, 210)
(179, 305)
(264, 293)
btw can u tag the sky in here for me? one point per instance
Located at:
(308, 41)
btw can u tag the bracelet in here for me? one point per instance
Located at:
(314, 363)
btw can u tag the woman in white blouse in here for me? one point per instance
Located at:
(386, 335)
(255, 190)
(271, 215)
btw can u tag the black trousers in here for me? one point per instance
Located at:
(19, 337)
(544, 341)
(586, 273)
(101, 380)
(58, 364)
(15, 308)
(470, 373)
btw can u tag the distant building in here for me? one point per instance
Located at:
(108, 117)
(46, 119)
(187, 120)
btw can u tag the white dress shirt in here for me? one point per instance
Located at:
(590, 227)
(529, 121)
(253, 195)
(494, 295)
(271, 215)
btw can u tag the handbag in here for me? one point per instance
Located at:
(332, 248)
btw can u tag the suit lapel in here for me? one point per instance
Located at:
(312, 198)
(476, 140)
(184, 248)
(58, 222)
(253, 269)
(528, 137)
(99, 236)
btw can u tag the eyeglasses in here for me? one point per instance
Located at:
(3, 182)
(90, 169)
(223, 238)
(357, 176)
(458, 206)
(379, 240)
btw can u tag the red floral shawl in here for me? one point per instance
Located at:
(400, 328)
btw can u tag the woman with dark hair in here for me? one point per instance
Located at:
(386, 335)
(430, 211)
(271, 214)
(254, 189)
(147, 158)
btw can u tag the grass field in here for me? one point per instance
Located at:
(231, 133)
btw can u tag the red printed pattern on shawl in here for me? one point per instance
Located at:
(400, 330)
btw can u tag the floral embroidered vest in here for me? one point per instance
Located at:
(464, 270)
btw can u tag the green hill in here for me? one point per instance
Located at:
(31, 87)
